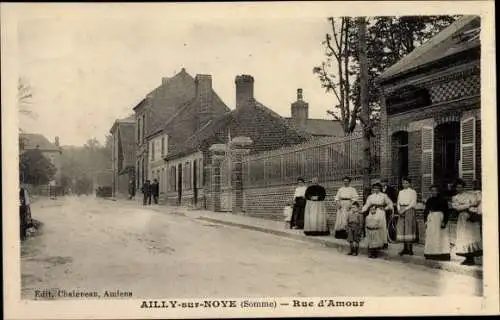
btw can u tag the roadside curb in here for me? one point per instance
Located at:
(447, 266)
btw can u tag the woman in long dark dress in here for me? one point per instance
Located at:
(315, 223)
(299, 205)
(437, 243)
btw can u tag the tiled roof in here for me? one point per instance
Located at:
(449, 41)
(168, 98)
(35, 140)
(211, 130)
(321, 127)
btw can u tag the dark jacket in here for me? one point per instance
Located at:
(155, 188)
(146, 188)
(391, 193)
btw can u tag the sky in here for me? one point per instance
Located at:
(88, 69)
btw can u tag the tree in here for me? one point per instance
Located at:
(365, 108)
(35, 168)
(338, 81)
(388, 39)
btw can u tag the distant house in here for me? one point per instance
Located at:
(52, 151)
(189, 163)
(170, 114)
(123, 155)
(315, 127)
(431, 115)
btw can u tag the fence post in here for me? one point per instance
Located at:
(238, 145)
(218, 151)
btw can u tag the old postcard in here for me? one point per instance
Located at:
(267, 159)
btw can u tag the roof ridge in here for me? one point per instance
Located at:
(448, 32)
(285, 123)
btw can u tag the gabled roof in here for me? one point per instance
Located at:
(321, 127)
(35, 140)
(452, 40)
(214, 126)
(128, 120)
(166, 100)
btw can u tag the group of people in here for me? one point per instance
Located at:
(355, 220)
(150, 190)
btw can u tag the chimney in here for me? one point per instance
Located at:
(300, 110)
(244, 89)
(56, 141)
(204, 96)
(164, 80)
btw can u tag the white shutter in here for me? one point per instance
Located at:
(468, 150)
(427, 160)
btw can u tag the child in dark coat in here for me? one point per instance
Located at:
(355, 221)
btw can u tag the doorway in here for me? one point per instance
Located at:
(179, 185)
(400, 161)
(446, 153)
(195, 183)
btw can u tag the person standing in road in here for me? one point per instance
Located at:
(146, 192)
(436, 213)
(131, 189)
(315, 223)
(344, 198)
(155, 190)
(299, 205)
(469, 242)
(407, 228)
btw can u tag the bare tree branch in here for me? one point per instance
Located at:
(331, 84)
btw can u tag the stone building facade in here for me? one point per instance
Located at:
(431, 111)
(123, 155)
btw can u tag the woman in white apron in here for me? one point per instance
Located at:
(344, 199)
(315, 223)
(469, 242)
(437, 242)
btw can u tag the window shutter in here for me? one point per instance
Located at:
(427, 160)
(468, 150)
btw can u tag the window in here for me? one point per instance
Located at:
(173, 178)
(162, 146)
(139, 131)
(152, 147)
(400, 157)
(143, 127)
(187, 175)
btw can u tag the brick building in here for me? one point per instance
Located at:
(431, 118)
(123, 155)
(167, 117)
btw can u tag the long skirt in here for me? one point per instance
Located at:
(376, 235)
(437, 241)
(298, 212)
(315, 223)
(468, 236)
(407, 228)
(341, 219)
